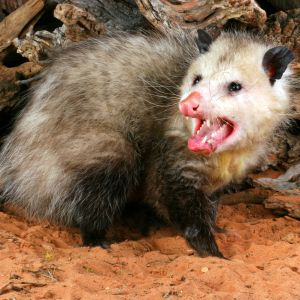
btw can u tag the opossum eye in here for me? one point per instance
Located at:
(197, 79)
(234, 87)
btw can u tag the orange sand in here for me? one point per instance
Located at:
(42, 261)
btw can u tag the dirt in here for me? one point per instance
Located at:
(42, 261)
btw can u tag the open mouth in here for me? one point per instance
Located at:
(210, 134)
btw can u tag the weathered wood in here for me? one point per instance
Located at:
(14, 23)
(285, 5)
(40, 43)
(288, 181)
(200, 14)
(284, 204)
(254, 196)
(80, 23)
(10, 5)
(284, 28)
(115, 14)
(9, 77)
(286, 198)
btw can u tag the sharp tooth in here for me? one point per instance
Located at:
(204, 139)
(210, 141)
(186, 118)
(198, 131)
(208, 123)
(214, 134)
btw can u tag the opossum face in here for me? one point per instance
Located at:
(234, 94)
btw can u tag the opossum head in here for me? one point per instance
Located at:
(235, 93)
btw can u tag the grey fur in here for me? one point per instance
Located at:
(104, 115)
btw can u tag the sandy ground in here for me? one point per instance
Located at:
(41, 261)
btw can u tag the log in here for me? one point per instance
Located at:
(283, 204)
(114, 14)
(284, 28)
(285, 5)
(9, 86)
(200, 14)
(37, 46)
(253, 196)
(10, 5)
(286, 198)
(14, 23)
(288, 181)
(80, 23)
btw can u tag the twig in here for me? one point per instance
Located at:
(12, 286)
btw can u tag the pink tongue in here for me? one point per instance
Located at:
(204, 141)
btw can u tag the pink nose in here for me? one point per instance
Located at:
(190, 104)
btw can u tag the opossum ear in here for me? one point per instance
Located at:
(275, 62)
(203, 41)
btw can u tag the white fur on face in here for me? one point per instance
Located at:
(256, 109)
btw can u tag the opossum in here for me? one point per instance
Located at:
(164, 119)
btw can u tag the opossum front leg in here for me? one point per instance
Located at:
(196, 216)
(193, 212)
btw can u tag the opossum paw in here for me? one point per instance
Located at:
(94, 239)
(202, 239)
(142, 217)
(103, 243)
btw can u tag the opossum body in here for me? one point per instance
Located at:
(103, 127)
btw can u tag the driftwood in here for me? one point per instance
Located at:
(281, 194)
(10, 5)
(284, 28)
(289, 180)
(80, 23)
(254, 196)
(9, 80)
(10, 28)
(283, 204)
(114, 14)
(285, 198)
(14, 23)
(19, 286)
(35, 45)
(200, 14)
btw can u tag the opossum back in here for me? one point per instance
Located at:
(92, 106)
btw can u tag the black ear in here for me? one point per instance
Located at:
(275, 62)
(203, 41)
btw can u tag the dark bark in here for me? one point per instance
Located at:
(115, 14)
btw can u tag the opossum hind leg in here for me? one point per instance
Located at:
(98, 195)
(2, 201)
